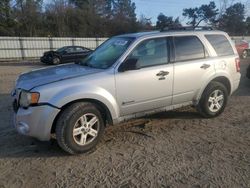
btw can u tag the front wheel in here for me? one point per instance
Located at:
(56, 61)
(79, 128)
(213, 100)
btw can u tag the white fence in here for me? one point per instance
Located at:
(34, 47)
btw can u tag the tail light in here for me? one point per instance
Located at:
(237, 63)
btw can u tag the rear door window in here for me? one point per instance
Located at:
(220, 44)
(188, 48)
(78, 49)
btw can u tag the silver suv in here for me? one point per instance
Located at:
(128, 76)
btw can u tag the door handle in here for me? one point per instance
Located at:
(205, 66)
(162, 73)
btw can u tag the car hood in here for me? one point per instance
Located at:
(44, 76)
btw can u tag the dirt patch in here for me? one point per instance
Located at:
(173, 149)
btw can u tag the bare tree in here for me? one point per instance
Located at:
(205, 13)
(223, 5)
(28, 15)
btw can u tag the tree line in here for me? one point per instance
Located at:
(105, 18)
(231, 18)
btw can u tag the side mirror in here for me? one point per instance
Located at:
(129, 64)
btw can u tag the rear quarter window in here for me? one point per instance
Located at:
(220, 44)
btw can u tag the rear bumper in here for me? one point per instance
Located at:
(35, 121)
(236, 83)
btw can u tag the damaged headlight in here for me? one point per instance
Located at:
(28, 98)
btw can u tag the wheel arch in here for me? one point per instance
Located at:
(221, 79)
(225, 81)
(106, 114)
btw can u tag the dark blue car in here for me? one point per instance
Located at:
(65, 54)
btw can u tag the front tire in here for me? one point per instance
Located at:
(79, 128)
(44, 62)
(56, 61)
(213, 100)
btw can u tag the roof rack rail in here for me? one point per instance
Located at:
(188, 28)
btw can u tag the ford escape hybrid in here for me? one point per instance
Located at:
(128, 76)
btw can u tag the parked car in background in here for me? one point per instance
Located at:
(65, 54)
(128, 76)
(242, 47)
(248, 72)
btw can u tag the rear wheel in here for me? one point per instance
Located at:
(244, 54)
(213, 100)
(79, 128)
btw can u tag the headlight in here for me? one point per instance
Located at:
(28, 98)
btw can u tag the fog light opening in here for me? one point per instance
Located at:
(23, 128)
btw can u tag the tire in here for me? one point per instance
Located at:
(244, 54)
(73, 119)
(212, 104)
(56, 61)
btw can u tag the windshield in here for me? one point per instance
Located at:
(108, 53)
(61, 49)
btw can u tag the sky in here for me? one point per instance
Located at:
(152, 8)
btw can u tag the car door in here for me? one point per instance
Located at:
(81, 52)
(150, 86)
(69, 54)
(192, 68)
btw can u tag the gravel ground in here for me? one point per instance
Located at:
(173, 149)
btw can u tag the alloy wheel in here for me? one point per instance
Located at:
(216, 100)
(86, 129)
